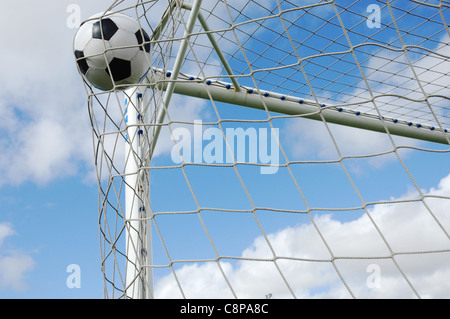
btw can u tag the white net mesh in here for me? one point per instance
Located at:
(252, 203)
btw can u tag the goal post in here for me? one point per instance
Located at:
(347, 102)
(291, 105)
(138, 233)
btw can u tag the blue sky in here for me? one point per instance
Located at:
(49, 193)
(48, 203)
(55, 225)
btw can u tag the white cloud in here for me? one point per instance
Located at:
(45, 131)
(13, 269)
(406, 227)
(5, 231)
(14, 264)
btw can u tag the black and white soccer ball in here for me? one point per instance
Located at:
(111, 49)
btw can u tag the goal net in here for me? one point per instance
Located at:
(278, 149)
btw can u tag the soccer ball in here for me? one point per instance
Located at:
(112, 50)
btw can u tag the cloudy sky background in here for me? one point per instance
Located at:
(45, 157)
(48, 193)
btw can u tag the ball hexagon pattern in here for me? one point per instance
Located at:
(112, 50)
